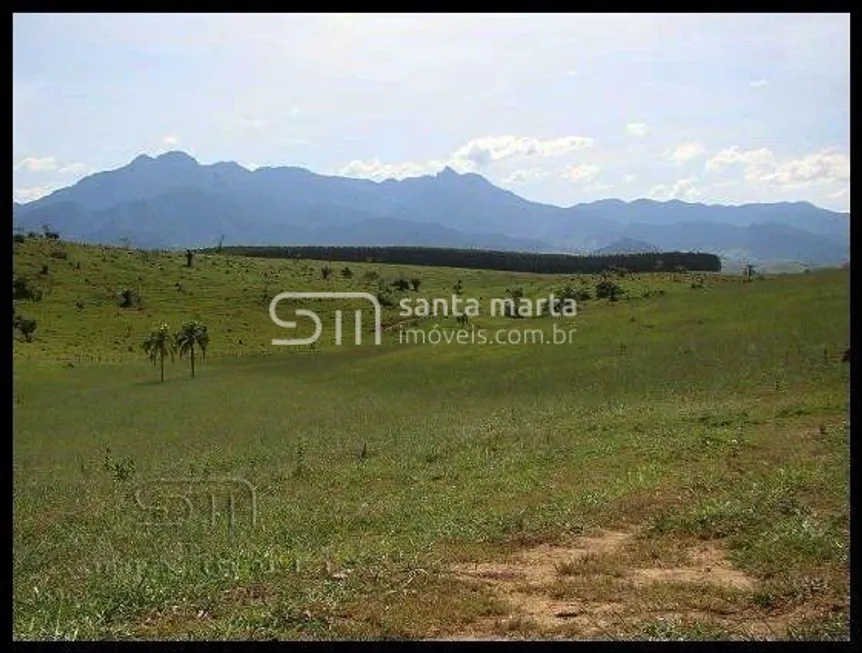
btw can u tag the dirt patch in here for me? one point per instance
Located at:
(540, 565)
(709, 566)
(583, 590)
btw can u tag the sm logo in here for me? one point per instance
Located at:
(318, 323)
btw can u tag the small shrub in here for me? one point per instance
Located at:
(607, 289)
(401, 284)
(346, 273)
(22, 289)
(415, 282)
(386, 299)
(26, 326)
(58, 253)
(128, 298)
(18, 238)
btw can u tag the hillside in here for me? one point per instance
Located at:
(230, 291)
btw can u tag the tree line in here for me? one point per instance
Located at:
(488, 259)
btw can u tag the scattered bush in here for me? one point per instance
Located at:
(385, 298)
(128, 298)
(415, 282)
(18, 238)
(346, 273)
(607, 289)
(401, 284)
(58, 253)
(26, 326)
(22, 289)
(326, 272)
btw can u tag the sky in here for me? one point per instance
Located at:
(558, 108)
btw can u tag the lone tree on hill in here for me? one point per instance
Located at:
(191, 336)
(159, 344)
(26, 326)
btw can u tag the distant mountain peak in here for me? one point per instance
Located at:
(627, 245)
(177, 156)
(141, 158)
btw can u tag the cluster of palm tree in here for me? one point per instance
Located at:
(161, 344)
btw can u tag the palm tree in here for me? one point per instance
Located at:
(193, 334)
(158, 345)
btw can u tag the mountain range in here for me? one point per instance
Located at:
(174, 201)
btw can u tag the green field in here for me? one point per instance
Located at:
(680, 469)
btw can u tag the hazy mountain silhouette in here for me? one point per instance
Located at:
(627, 246)
(173, 201)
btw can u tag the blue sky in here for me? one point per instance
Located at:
(566, 108)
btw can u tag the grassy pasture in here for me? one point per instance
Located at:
(685, 416)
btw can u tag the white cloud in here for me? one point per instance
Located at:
(50, 163)
(488, 149)
(761, 166)
(76, 168)
(36, 164)
(581, 172)
(757, 83)
(637, 128)
(170, 139)
(681, 189)
(629, 178)
(32, 193)
(476, 153)
(527, 176)
(294, 110)
(686, 152)
(597, 187)
(375, 169)
(821, 167)
(571, 72)
(757, 164)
